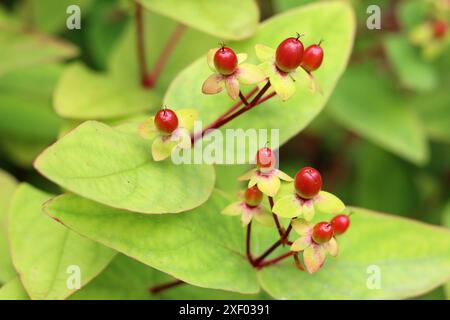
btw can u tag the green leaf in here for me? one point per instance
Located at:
(24, 49)
(114, 167)
(43, 251)
(231, 19)
(333, 21)
(123, 62)
(446, 223)
(25, 103)
(8, 185)
(370, 190)
(13, 290)
(379, 113)
(412, 258)
(434, 111)
(127, 279)
(413, 71)
(99, 96)
(201, 247)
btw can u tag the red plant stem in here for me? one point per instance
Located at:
(220, 122)
(243, 99)
(298, 264)
(275, 245)
(223, 116)
(171, 44)
(267, 263)
(162, 287)
(141, 45)
(275, 218)
(238, 104)
(248, 245)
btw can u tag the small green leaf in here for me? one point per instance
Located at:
(407, 257)
(413, 71)
(43, 251)
(13, 290)
(115, 168)
(8, 185)
(24, 49)
(231, 19)
(333, 21)
(379, 113)
(328, 203)
(201, 247)
(99, 96)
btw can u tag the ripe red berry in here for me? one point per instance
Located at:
(253, 196)
(322, 232)
(313, 57)
(308, 182)
(340, 223)
(166, 121)
(289, 54)
(265, 159)
(439, 29)
(225, 61)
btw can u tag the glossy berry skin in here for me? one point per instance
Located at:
(253, 196)
(312, 58)
(166, 121)
(340, 223)
(265, 159)
(289, 54)
(439, 29)
(308, 182)
(322, 232)
(225, 61)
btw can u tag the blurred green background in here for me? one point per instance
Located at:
(382, 142)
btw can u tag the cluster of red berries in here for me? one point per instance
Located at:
(324, 231)
(290, 55)
(166, 121)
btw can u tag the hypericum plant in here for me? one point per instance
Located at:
(132, 216)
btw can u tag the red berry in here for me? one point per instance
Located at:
(225, 61)
(308, 182)
(289, 54)
(166, 121)
(265, 158)
(439, 29)
(322, 232)
(253, 196)
(313, 57)
(340, 223)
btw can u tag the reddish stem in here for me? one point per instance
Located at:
(243, 99)
(298, 264)
(267, 263)
(275, 218)
(171, 44)
(141, 45)
(275, 245)
(162, 287)
(222, 121)
(248, 247)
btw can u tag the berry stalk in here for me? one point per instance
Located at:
(171, 44)
(248, 244)
(221, 121)
(163, 287)
(267, 263)
(275, 218)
